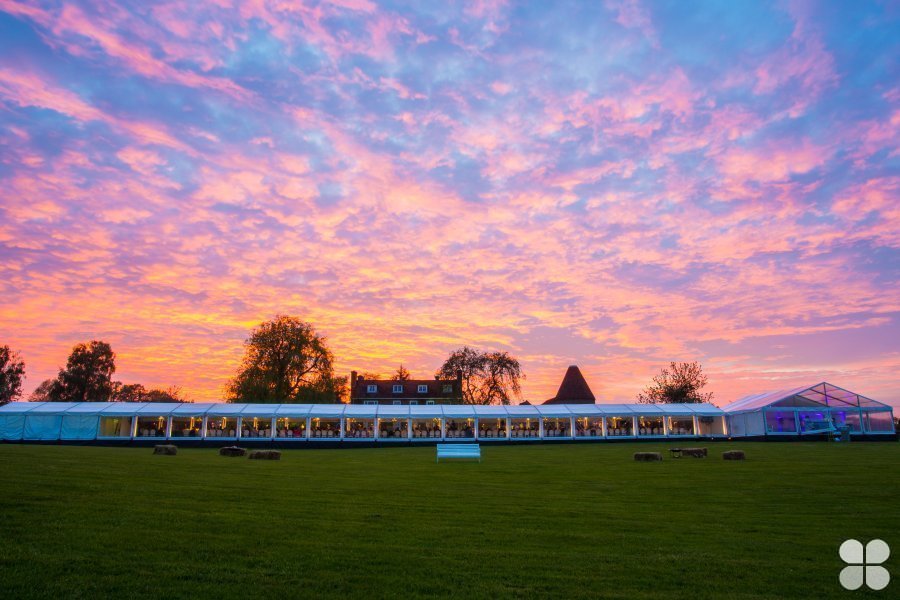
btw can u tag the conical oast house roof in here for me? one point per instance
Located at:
(573, 389)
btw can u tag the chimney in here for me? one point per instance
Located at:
(352, 380)
(459, 377)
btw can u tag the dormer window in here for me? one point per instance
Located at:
(423, 389)
(448, 388)
(371, 388)
(398, 388)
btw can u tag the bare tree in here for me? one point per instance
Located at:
(679, 383)
(487, 377)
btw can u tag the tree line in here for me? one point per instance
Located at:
(286, 361)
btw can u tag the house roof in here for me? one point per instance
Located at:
(573, 389)
(821, 394)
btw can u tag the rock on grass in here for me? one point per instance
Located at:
(265, 455)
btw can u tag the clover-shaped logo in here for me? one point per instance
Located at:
(864, 564)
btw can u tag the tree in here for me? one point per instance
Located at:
(679, 383)
(170, 394)
(12, 373)
(42, 392)
(401, 374)
(487, 377)
(285, 360)
(128, 392)
(87, 376)
(135, 392)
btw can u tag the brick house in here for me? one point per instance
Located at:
(411, 391)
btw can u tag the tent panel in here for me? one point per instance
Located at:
(42, 427)
(293, 410)
(393, 410)
(260, 410)
(192, 409)
(458, 410)
(89, 407)
(226, 409)
(79, 427)
(11, 427)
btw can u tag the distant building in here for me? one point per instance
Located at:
(573, 389)
(409, 392)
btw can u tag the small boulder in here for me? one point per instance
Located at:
(733, 455)
(165, 450)
(232, 451)
(695, 452)
(647, 456)
(265, 455)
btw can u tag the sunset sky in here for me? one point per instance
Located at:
(610, 184)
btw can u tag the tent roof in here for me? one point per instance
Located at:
(18, 408)
(53, 408)
(360, 411)
(156, 409)
(820, 395)
(293, 410)
(191, 409)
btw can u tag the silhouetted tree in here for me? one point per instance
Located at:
(12, 373)
(401, 374)
(87, 376)
(487, 377)
(135, 392)
(42, 392)
(285, 360)
(679, 383)
(128, 392)
(170, 394)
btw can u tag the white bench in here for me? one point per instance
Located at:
(458, 451)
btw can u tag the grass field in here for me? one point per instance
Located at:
(572, 521)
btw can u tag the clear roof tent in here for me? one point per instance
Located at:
(820, 395)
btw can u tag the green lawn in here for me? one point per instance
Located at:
(570, 521)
